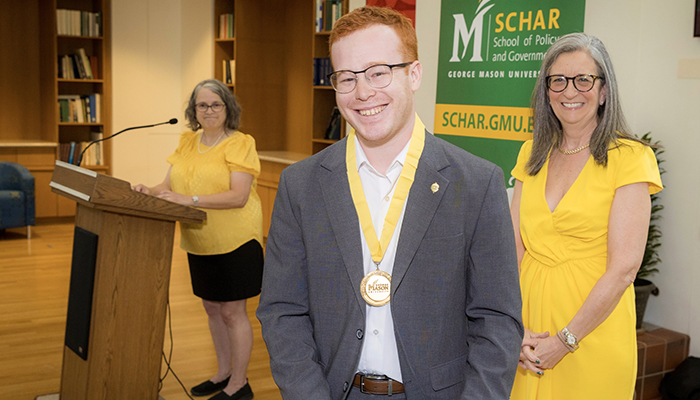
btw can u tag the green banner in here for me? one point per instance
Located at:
(489, 58)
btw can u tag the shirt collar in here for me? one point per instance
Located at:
(362, 158)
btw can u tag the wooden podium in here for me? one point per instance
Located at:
(120, 277)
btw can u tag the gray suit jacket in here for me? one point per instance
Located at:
(455, 295)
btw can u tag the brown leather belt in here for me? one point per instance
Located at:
(377, 384)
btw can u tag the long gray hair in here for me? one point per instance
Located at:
(547, 132)
(233, 109)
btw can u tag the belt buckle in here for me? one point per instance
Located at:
(377, 378)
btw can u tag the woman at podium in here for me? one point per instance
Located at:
(215, 167)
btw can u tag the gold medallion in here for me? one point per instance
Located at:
(376, 288)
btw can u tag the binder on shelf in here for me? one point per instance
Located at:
(229, 72)
(333, 129)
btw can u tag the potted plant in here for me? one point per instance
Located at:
(643, 288)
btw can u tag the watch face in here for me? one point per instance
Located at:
(571, 340)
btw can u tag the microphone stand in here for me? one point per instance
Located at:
(80, 159)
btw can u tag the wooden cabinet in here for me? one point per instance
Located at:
(29, 114)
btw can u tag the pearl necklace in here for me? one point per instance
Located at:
(574, 151)
(210, 147)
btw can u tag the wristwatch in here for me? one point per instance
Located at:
(195, 200)
(570, 338)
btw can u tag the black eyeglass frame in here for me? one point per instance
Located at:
(391, 68)
(572, 79)
(197, 106)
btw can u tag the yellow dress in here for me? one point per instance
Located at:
(565, 255)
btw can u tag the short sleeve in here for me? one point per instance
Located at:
(519, 172)
(184, 142)
(241, 155)
(634, 163)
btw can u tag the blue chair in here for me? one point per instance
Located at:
(16, 197)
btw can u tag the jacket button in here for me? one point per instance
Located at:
(359, 334)
(345, 386)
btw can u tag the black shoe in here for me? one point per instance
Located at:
(208, 387)
(244, 393)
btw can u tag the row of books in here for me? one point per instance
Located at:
(322, 67)
(94, 155)
(78, 23)
(327, 12)
(229, 72)
(76, 108)
(225, 26)
(77, 65)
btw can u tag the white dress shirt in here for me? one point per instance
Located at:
(379, 352)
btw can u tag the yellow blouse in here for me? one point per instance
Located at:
(194, 173)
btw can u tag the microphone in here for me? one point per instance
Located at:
(172, 121)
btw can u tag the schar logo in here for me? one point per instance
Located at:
(463, 34)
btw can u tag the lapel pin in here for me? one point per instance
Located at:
(434, 187)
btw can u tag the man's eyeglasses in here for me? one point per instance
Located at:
(378, 76)
(216, 107)
(582, 82)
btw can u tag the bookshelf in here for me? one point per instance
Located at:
(32, 130)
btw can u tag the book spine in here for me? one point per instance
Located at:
(71, 154)
(85, 61)
(327, 15)
(98, 107)
(319, 15)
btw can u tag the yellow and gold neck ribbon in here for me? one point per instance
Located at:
(415, 149)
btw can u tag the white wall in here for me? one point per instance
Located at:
(160, 50)
(156, 62)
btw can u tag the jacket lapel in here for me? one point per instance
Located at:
(423, 202)
(333, 181)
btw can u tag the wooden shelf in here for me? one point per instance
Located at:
(26, 143)
(79, 37)
(63, 80)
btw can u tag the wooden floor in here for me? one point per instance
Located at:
(34, 279)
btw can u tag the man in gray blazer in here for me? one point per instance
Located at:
(390, 266)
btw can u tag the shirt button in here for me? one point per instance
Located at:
(345, 387)
(386, 198)
(359, 334)
(376, 332)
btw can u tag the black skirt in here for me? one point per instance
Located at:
(228, 277)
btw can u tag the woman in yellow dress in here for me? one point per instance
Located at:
(580, 210)
(215, 167)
